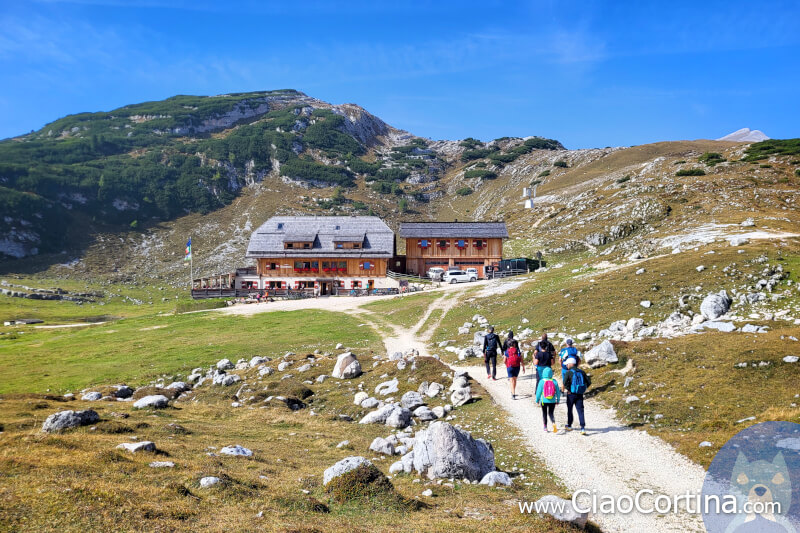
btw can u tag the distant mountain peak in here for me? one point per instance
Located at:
(745, 135)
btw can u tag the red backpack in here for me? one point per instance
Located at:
(512, 357)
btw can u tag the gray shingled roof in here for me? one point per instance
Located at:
(453, 230)
(376, 237)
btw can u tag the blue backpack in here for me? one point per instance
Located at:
(578, 384)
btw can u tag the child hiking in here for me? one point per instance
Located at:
(513, 360)
(568, 351)
(548, 395)
(575, 384)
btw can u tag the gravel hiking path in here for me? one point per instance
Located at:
(612, 459)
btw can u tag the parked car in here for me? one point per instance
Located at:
(459, 276)
(436, 273)
(473, 272)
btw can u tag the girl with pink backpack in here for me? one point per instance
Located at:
(548, 394)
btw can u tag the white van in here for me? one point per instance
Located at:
(436, 273)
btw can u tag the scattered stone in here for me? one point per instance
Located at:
(266, 371)
(347, 366)
(640, 271)
(180, 386)
(738, 241)
(434, 389)
(601, 355)
(91, 396)
(236, 450)
(283, 365)
(123, 391)
(646, 304)
(562, 510)
(68, 419)
(135, 447)
(631, 399)
(162, 464)
(387, 387)
(399, 418)
(427, 493)
(224, 364)
(209, 481)
(339, 346)
(443, 451)
(705, 444)
(154, 401)
(438, 411)
(342, 467)
(343, 444)
(715, 305)
(791, 359)
(381, 445)
(411, 400)
(370, 403)
(321, 378)
(424, 414)
(378, 416)
(360, 397)
(461, 396)
(496, 478)
(700, 268)
(225, 380)
(725, 327)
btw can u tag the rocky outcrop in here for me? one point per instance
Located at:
(69, 419)
(443, 451)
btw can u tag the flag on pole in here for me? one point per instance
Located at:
(188, 255)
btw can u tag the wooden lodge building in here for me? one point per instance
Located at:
(335, 254)
(447, 245)
(325, 253)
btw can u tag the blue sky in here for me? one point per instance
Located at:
(590, 74)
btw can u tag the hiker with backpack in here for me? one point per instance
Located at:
(548, 395)
(491, 344)
(544, 353)
(575, 384)
(566, 352)
(513, 360)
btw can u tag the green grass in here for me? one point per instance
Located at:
(139, 349)
(403, 311)
(78, 481)
(116, 301)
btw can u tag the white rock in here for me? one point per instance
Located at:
(225, 380)
(705, 444)
(461, 396)
(601, 355)
(387, 387)
(236, 450)
(438, 411)
(162, 464)
(631, 399)
(646, 304)
(443, 451)
(360, 397)
(370, 403)
(381, 445)
(266, 371)
(738, 241)
(378, 416)
(791, 359)
(339, 346)
(304, 368)
(69, 419)
(427, 493)
(562, 510)
(343, 444)
(224, 364)
(346, 367)
(496, 478)
(399, 418)
(209, 481)
(342, 467)
(411, 400)
(640, 271)
(154, 401)
(700, 268)
(434, 389)
(715, 305)
(91, 396)
(135, 447)
(424, 414)
(283, 365)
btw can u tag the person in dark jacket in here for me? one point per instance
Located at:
(575, 393)
(543, 356)
(491, 345)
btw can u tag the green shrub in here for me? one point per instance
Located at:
(765, 166)
(624, 179)
(470, 143)
(561, 164)
(679, 162)
(309, 170)
(478, 153)
(764, 149)
(464, 191)
(367, 485)
(797, 172)
(392, 174)
(691, 172)
(544, 173)
(711, 158)
(480, 173)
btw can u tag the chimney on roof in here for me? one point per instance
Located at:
(455, 220)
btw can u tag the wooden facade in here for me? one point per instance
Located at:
(313, 267)
(423, 254)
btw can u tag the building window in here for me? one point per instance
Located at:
(315, 266)
(339, 245)
(367, 265)
(306, 245)
(424, 243)
(275, 284)
(461, 243)
(479, 243)
(356, 245)
(342, 266)
(273, 266)
(288, 245)
(280, 225)
(443, 244)
(356, 284)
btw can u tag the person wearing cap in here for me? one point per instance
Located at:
(568, 351)
(491, 345)
(575, 384)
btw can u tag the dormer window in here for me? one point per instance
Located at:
(306, 245)
(356, 245)
(288, 245)
(339, 245)
(280, 225)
